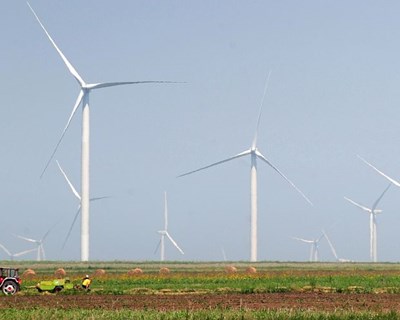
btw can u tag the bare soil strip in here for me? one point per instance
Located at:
(297, 301)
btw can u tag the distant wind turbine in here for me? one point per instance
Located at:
(15, 255)
(333, 249)
(254, 154)
(164, 233)
(83, 98)
(314, 251)
(372, 223)
(39, 245)
(77, 195)
(223, 253)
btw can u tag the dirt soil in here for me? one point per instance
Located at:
(274, 301)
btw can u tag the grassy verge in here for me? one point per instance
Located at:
(76, 314)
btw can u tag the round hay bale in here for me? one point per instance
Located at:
(251, 270)
(135, 272)
(29, 273)
(230, 269)
(60, 273)
(99, 273)
(164, 270)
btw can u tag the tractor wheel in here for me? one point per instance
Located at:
(9, 287)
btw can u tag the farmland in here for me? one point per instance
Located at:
(211, 291)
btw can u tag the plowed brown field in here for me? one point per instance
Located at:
(275, 301)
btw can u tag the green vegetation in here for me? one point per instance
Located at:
(212, 277)
(75, 314)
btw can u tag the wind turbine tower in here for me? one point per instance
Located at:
(83, 98)
(254, 155)
(164, 233)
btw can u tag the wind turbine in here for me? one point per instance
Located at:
(254, 154)
(15, 255)
(164, 233)
(83, 97)
(39, 245)
(77, 195)
(333, 249)
(314, 251)
(372, 223)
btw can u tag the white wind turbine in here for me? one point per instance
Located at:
(373, 211)
(164, 233)
(333, 249)
(15, 255)
(83, 98)
(77, 195)
(314, 251)
(254, 154)
(39, 245)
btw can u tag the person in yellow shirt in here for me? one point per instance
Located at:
(86, 282)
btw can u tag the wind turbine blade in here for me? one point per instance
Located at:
(158, 246)
(303, 240)
(244, 153)
(380, 172)
(77, 103)
(70, 228)
(330, 245)
(27, 239)
(319, 239)
(165, 212)
(47, 233)
(99, 198)
(6, 250)
(113, 84)
(23, 252)
(259, 155)
(381, 196)
(69, 182)
(259, 114)
(358, 205)
(174, 243)
(67, 63)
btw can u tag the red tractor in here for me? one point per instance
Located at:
(10, 281)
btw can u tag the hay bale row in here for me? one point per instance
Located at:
(233, 269)
(135, 272)
(61, 273)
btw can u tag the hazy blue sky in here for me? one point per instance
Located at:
(333, 93)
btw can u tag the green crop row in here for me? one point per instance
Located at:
(260, 283)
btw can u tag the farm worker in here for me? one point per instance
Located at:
(86, 282)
